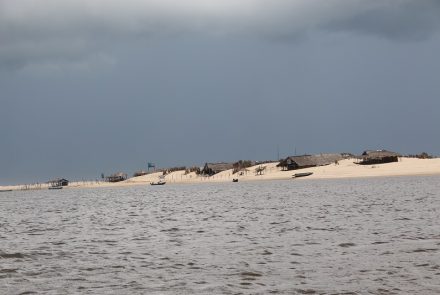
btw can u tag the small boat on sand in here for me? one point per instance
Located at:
(235, 180)
(160, 182)
(304, 174)
(55, 187)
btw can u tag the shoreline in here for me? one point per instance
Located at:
(345, 169)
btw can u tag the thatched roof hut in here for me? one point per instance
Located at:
(379, 157)
(117, 177)
(214, 168)
(306, 161)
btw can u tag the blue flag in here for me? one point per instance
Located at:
(151, 165)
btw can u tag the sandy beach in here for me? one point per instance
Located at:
(344, 169)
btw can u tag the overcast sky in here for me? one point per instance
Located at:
(101, 86)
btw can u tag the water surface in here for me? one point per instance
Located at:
(360, 236)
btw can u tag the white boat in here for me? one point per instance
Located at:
(160, 182)
(55, 187)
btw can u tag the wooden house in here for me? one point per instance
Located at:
(378, 157)
(214, 168)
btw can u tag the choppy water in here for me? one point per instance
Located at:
(365, 236)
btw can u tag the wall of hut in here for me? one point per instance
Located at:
(59, 182)
(116, 177)
(379, 160)
(378, 157)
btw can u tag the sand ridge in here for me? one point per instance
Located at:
(344, 169)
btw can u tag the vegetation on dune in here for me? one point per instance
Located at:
(241, 165)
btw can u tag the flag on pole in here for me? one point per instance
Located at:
(151, 165)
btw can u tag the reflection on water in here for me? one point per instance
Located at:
(368, 236)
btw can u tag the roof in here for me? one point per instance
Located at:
(379, 154)
(58, 180)
(315, 160)
(120, 174)
(219, 166)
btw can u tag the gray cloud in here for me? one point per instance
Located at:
(399, 20)
(48, 32)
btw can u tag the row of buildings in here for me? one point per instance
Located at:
(370, 157)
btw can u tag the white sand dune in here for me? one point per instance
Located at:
(345, 169)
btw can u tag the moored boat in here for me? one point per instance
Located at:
(304, 174)
(55, 187)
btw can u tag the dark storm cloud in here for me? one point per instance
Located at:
(399, 20)
(73, 32)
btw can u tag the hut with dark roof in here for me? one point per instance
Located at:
(307, 161)
(58, 182)
(117, 177)
(379, 157)
(214, 168)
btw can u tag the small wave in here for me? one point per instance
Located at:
(422, 265)
(140, 239)
(90, 268)
(250, 274)
(104, 241)
(322, 228)
(8, 270)
(423, 250)
(173, 229)
(274, 223)
(387, 253)
(249, 278)
(11, 255)
(346, 245)
(384, 291)
(306, 291)
(403, 219)
(200, 282)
